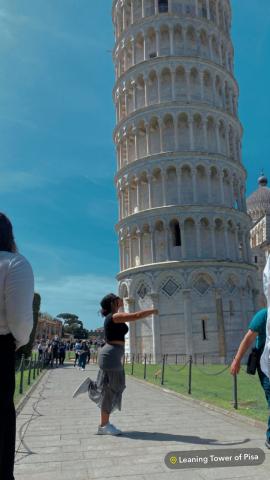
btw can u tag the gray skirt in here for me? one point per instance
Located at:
(107, 390)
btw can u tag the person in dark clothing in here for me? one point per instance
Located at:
(16, 323)
(83, 355)
(62, 353)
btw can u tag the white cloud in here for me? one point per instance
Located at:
(79, 294)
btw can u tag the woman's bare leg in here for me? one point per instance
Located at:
(104, 418)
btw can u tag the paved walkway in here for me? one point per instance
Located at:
(57, 438)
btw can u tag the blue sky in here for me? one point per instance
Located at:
(57, 156)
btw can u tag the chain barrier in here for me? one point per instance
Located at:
(211, 373)
(177, 369)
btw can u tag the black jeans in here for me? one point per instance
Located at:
(7, 409)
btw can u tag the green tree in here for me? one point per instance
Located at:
(73, 325)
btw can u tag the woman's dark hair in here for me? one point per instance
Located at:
(107, 303)
(7, 241)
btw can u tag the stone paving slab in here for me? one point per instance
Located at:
(56, 435)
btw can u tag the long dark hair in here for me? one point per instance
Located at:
(7, 241)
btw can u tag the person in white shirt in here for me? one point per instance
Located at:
(16, 323)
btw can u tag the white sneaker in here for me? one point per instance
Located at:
(108, 429)
(83, 388)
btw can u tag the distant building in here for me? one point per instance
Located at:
(258, 206)
(47, 328)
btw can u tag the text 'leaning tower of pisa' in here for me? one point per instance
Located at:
(183, 227)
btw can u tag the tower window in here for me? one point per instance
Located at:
(176, 234)
(256, 259)
(163, 6)
(204, 330)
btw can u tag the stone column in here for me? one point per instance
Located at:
(208, 9)
(129, 209)
(220, 324)
(202, 85)
(191, 133)
(168, 242)
(198, 239)
(128, 249)
(196, 8)
(194, 185)
(183, 240)
(158, 42)
(140, 236)
(131, 252)
(209, 186)
(217, 137)
(226, 241)
(160, 122)
(188, 321)
(156, 330)
(205, 135)
(156, 7)
(171, 41)
(158, 87)
(150, 193)
(188, 85)
(145, 91)
(236, 243)
(178, 179)
(132, 41)
(213, 238)
(131, 12)
(163, 180)
(221, 185)
(133, 84)
(173, 85)
(138, 193)
(134, 131)
(153, 245)
(147, 138)
(143, 8)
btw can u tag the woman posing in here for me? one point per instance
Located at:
(107, 390)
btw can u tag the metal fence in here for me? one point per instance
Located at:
(28, 370)
(183, 362)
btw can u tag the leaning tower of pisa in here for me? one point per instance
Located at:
(183, 227)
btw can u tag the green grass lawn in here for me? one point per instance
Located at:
(214, 389)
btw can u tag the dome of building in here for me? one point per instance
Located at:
(258, 203)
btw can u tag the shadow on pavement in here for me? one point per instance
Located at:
(167, 437)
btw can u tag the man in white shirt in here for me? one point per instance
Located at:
(16, 323)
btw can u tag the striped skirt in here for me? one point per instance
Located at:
(107, 390)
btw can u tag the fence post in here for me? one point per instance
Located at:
(150, 357)
(176, 359)
(35, 364)
(29, 371)
(163, 368)
(144, 373)
(190, 374)
(21, 377)
(132, 364)
(235, 396)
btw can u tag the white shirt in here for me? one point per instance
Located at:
(16, 297)
(265, 358)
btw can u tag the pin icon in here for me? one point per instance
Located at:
(173, 460)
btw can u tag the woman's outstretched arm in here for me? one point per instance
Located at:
(123, 317)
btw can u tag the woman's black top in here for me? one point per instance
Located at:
(114, 331)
